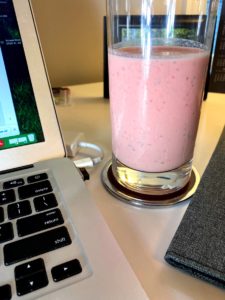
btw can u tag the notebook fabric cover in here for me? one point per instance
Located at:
(198, 246)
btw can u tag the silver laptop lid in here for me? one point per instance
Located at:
(29, 130)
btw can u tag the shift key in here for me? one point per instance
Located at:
(36, 245)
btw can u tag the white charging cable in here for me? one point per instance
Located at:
(87, 162)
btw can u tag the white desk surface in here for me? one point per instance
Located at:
(143, 234)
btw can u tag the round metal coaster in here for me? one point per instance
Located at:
(143, 200)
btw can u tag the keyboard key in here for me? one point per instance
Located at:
(7, 197)
(31, 283)
(30, 276)
(5, 292)
(13, 183)
(37, 177)
(35, 189)
(29, 268)
(19, 209)
(36, 245)
(6, 232)
(39, 222)
(1, 214)
(66, 270)
(45, 202)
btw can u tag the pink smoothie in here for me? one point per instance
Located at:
(155, 105)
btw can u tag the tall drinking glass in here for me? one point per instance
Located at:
(158, 55)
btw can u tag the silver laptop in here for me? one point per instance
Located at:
(53, 241)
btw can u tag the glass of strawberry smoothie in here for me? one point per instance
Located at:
(158, 53)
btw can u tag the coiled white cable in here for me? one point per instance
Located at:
(77, 146)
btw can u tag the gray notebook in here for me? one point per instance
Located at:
(198, 246)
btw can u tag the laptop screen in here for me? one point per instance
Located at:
(29, 128)
(19, 119)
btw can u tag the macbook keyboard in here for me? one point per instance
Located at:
(34, 223)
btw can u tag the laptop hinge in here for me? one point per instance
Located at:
(16, 169)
